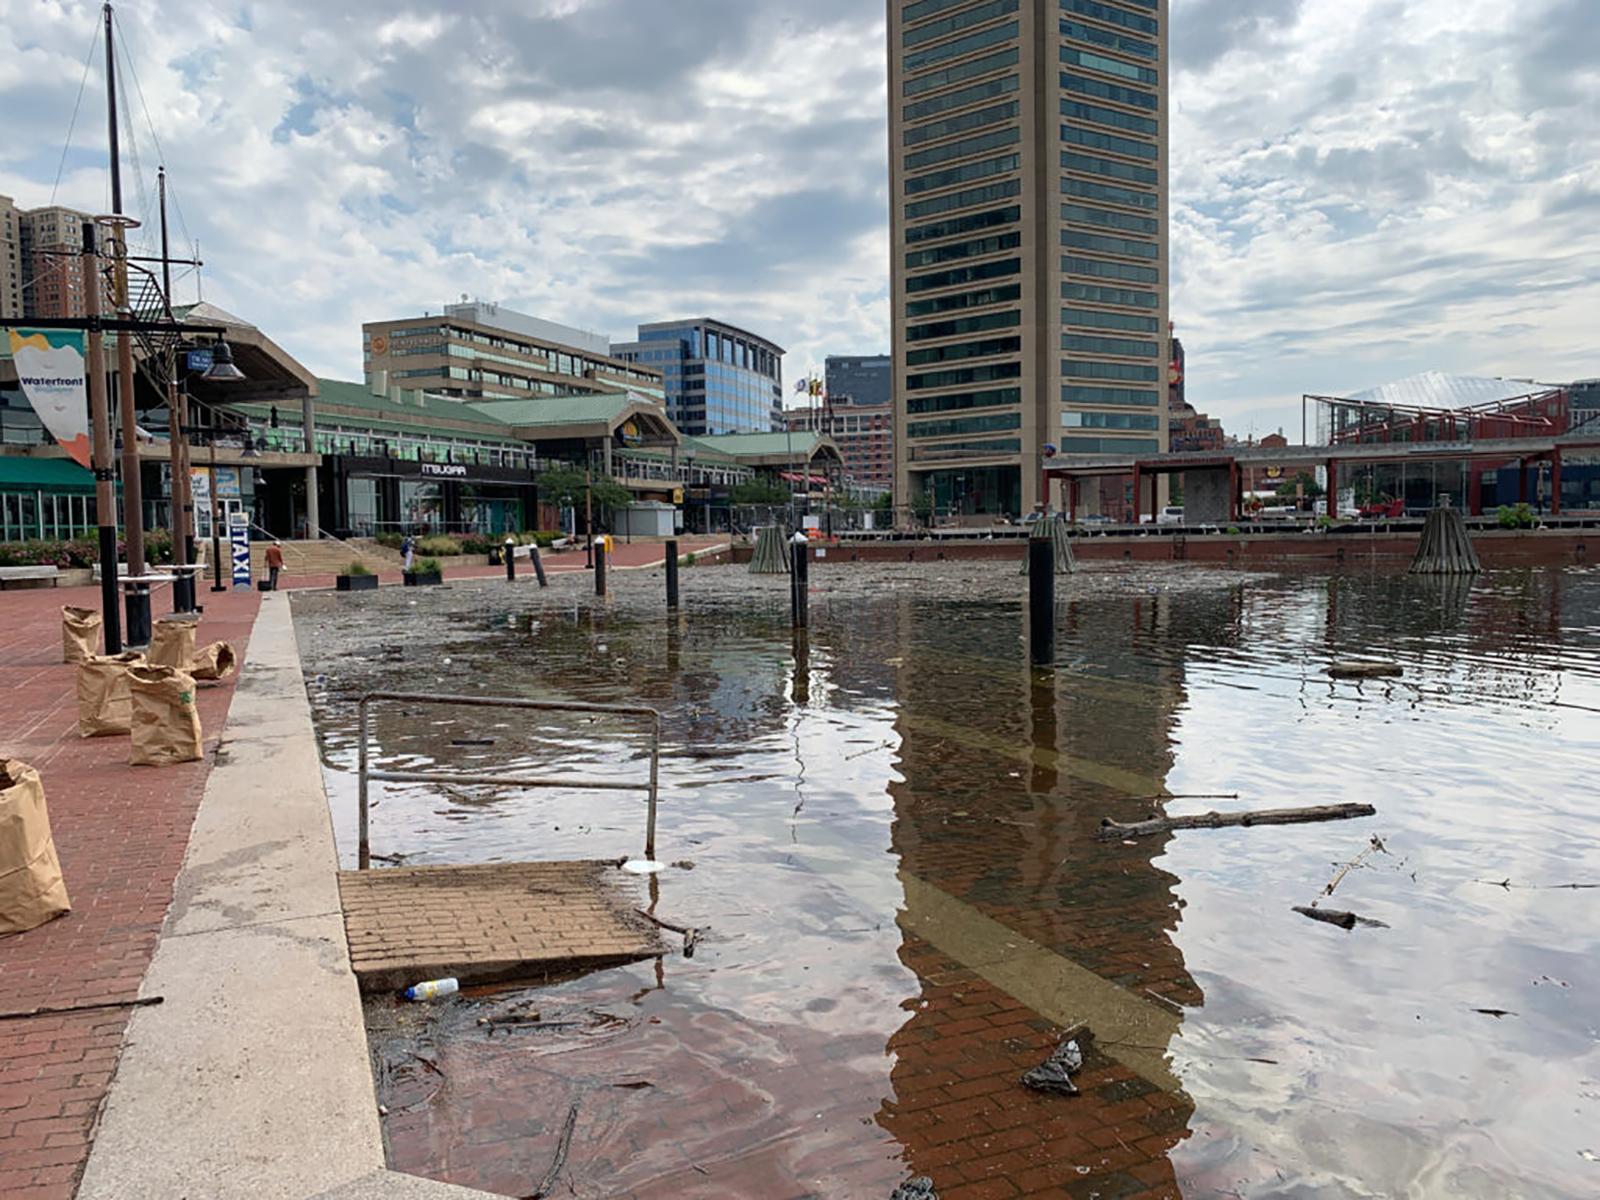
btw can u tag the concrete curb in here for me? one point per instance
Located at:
(252, 1078)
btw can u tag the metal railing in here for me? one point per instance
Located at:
(365, 773)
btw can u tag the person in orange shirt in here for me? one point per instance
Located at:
(274, 565)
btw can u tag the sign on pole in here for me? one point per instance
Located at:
(50, 369)
(239, 539)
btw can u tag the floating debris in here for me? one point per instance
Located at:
(1054, 1074)
(920, 1188)
(1344, 920)
(1366, 670)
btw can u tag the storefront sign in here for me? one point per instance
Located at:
(228, 486)
(239, 539)
(445, 470)
(50, 369)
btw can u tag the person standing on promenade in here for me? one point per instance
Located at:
(274, 565)
(407, 549)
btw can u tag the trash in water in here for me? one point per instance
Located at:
(920, 1188)
(433, 989)
(643, 866)
(1056, 1072)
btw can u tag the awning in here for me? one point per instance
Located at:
(791, 477)
(19, 474)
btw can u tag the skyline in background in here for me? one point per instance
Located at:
(1357, 194)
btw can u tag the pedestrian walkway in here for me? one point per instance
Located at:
(121, 833)
(624, 557)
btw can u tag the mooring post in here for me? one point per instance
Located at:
(1041, 596)
(538, 564)
(672, 574)
(799, 581)
(511, 559)
(600, 566)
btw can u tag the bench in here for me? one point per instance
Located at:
(29, 576)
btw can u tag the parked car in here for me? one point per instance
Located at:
(1172, 514)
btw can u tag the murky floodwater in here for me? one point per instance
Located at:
(892, 846)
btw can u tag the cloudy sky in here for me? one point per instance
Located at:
(1362, 188)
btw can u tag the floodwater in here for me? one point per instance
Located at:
(891, 848)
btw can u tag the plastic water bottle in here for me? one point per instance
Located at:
(433, 989)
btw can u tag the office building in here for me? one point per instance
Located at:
(485, 352)
(863, 432)
(718, 378)
(1028, 175)
(860, 381)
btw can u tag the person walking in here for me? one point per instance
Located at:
(407, 549)
(274, 565)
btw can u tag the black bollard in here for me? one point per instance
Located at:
(1041, 600)
(538, 564)
(672, 575)
(800, 582)
(511, 561)
(183, 592)
(600, 567)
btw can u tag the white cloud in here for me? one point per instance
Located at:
(1361, 189)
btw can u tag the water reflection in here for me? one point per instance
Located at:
(889, 830)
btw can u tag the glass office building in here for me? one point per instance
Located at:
(718, 378)
(1029, 232)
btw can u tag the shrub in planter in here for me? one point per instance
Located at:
(390, 541)
(356, 578)
(438, 544)
(427, 573)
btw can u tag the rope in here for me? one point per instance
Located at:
(94, 43)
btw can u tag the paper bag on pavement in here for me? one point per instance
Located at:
(31, 888)
(172, 642)
(216, 661)
(105, 708)
(80, 634)
(166, 724)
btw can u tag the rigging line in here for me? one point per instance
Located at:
(94, 43)
(155, 138)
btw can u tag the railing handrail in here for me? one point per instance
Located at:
(365, 773)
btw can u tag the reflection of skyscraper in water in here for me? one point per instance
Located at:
(1017, 919)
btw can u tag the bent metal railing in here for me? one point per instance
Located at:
(455, 777)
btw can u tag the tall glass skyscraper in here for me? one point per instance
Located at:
(718, 378)
(1028, 170)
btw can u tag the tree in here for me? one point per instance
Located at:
(1304, 484)
(885, 504)
(760, 491)
(567, 487)
(922, 507)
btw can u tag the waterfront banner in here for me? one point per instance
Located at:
(50, 368)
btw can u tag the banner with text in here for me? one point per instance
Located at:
(50, 369)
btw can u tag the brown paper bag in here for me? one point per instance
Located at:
(216, 661)
(105, 708)
(80, 634)
(31, 888)
(172, 642)
(166, 724)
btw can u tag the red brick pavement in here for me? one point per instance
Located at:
(121, 833)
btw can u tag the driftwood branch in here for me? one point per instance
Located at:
(1344, 920)
(24, 1014)
(1111, 830)
(1375, 846)
(1361, 669)
(691, 936)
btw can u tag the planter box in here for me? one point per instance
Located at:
(356, 583)
(423, 579)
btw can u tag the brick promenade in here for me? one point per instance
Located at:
(624, 558)
(490, 921)
(121, 833)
